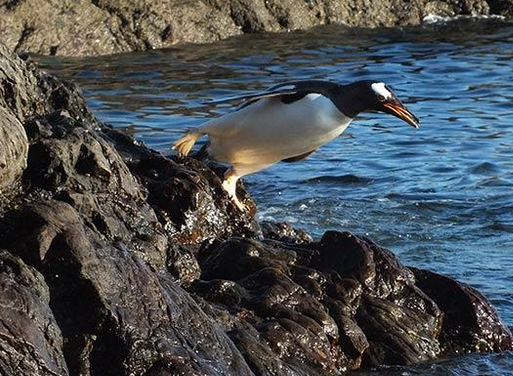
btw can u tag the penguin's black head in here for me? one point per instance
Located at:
(386, 101)
(377, 96)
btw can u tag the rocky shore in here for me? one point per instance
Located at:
(95, 27)
(115, 260)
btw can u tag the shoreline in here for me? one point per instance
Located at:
(87, 28)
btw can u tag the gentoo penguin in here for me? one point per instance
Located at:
(288, 122)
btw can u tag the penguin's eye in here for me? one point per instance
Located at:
(381, 98)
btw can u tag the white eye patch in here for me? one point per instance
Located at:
(380, 89)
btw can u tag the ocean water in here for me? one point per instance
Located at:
(441, 197)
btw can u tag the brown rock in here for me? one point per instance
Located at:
(87, 27)
(30, 339)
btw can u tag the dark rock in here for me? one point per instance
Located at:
(470, 323)
(501, 7)
(30, 340)
(119, 261)
(188, 196)
(350, 300)
(92, 27)
(284, 232)
(110, 267)
(118, 313)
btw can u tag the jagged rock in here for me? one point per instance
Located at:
(187, 195)
(92, 27)
(469, 323)
(31, 342)
(119, 261)
(284, 232)
(331, 305)
(16, 86)
(13, 149)
(118, 312)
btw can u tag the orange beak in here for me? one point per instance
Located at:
(398, 110)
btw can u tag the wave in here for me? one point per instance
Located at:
(436, 19)
(342, 179)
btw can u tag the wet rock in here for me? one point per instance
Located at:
(285, 232)
(117, 260)
(118, 313)
(30, 339)
(187, 196)
(331, 305)
(63, 154)
(470, 324)
(88, 27)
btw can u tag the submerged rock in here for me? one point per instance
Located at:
(86, 27)
(116, 260)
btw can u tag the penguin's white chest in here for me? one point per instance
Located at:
(269, 130)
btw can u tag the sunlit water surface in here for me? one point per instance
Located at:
(440, 197)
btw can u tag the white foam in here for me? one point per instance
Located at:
(434, 18)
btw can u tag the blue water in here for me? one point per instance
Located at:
(440, 197)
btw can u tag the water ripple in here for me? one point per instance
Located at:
(348, 179)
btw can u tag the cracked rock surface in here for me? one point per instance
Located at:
(116, 260)
(95, 27)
